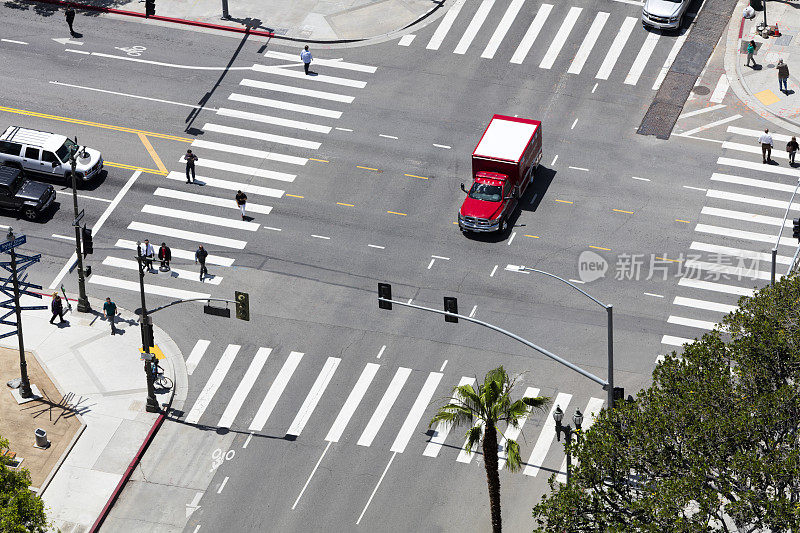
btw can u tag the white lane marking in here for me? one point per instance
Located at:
(380, 352)
(642, 58)
(212, 385)
(561, 37)
(443, 428)
(466, 457)
(445, 25)
(250, 171)
(78, 51)
(580, 168)
(163, 64)
(431, 263)
(183, 254)
(673, 53)
(128, 95)
(314, 396)
(472, 313)
(384, 406)
(63, 237)
(704, 304)
(590, 415)
(228, 185)
(227, 203)
(441, 257)
(616, 47)
(332, 63)
(718, 287)
(443, 365)
(510, 240)
(546, 436)
(344, 129)
(694, 188)
(749, 217)
(273, 229)
(297, 91)
(376, 488)
(588, 43)
(199, 217)
(710, 125)
(130, 264)
(442, 146)
(247, 440)
(691, 322)
(275, 391)
(187, 235)
(750, 199)
(376, 246)
(502, 28)
(406, 40)
(512, 432)
(573, 124)
(321, 237)
(640, 179)
(269, 119)
(530, 36)
(738, 252)
(554, 160)
(261, 136)
(701, 111)
(755, 134)
(654, 295)
(193, 506)
(474, 26)
(222, 485)
(493, 271)
(720, 90)
(409, 300)
(196, 354)
(387, 136)
(319, 78)
(746, 271)
(416, 412)
(352, 402)
(755, 165)
(311, 475)
(286, 106)
(86, 196)
(97, 225)
(245, 385)
(12, 41)
(241, 150)
(675, 341)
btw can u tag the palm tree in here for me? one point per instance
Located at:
(484, 409)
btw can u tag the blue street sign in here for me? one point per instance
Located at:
(6, 246)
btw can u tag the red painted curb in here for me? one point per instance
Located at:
(158, 17)
(126, 476)
(741, 28)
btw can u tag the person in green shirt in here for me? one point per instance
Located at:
(110, 311)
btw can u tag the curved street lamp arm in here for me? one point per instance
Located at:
(598, 302)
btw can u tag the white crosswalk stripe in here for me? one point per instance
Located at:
(199, 217)
(746, 272)
(332, 63)
(588, 43)
(286, 106)
(130, 264)
(297, 91)
(445, 25)
(250, 171)
(275, 121)
(642, 58)
(227, 203)
(671, 340)
(673, 53)
(704, 304)
(275, 391)
(319, 78)
(240, 150)
(718, 287)
(443, 428)
(212, 385)
(752, 149)
(751, 182)
(245, 385)
(133, 286)
(204, 238)
(746, 235)
(561, 38)
(755, 134)
(465, 456)
(353, 400)
(229, 185)
(533, 32)
(511, 432)
(759, 167)
(182, 254)
(386, 403)
(314, 396)
(748, 217)
(261, 136)
(416, 412)
(615, 50)
(546, 436)
(502, 28)
(691, 322)
(474, 26)
(738, 252)
(196, 355)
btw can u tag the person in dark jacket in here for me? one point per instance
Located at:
(241, 201)
(165, 255)
(200, 257)
(69, 14)
(783, 76)
(57, 308)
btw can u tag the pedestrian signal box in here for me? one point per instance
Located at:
(242, 305)
(796, 229)
(88, 244)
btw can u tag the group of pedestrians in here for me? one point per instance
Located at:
(781, 67)
(165, 256)
(767, 144)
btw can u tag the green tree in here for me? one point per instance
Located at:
(21, 511)
(711, 445)
(483, 410)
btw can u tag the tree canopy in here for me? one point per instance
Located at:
(21, 511)
(710, 445)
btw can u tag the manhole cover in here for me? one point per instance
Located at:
(701, 90)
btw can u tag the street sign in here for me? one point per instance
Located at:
(155, 350)
(77, 221)
(6, 246)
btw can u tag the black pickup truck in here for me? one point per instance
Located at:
(29, 198)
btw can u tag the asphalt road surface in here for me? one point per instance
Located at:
(313, 416)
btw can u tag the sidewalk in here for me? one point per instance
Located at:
(102, 380)
(757, 86)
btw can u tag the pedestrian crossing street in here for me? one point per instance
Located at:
(258, 141)
(602, 44)
(730, 256)
(250, 403)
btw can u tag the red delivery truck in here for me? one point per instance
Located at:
(503, 165)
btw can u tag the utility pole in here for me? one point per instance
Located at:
(83, 300)
(147, 339)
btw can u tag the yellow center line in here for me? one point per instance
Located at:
(346, 205)
(564, 201)
(532, 236)
(600, 248)
(665, 259)
(413, 176)
(132, 167)
(396, 213)
(153, 154)
(93, 124)
(294, 195)
(318, 160)
(684, 221)
(623, 211)
(367, 168)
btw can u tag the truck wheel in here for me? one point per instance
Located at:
(29, 213)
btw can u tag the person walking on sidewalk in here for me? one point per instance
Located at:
(792, 148)
(305, 56)
(57, 308)
(165, 254)
(110, 312)
(783, 76)
(241, 201)
(200, 257)
(69, 14)
(190, 159)
(751, 49)
(766, 146)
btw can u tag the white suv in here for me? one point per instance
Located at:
(664, 14)
(47, 154)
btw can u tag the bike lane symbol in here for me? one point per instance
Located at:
(218, 457)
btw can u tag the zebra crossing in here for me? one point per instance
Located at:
(552, 32)
(251, 402)
(731, 256)
(258, 142)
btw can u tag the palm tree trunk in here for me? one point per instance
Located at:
(492, 474)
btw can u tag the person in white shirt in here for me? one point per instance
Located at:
(149, 254)
(305, 56)
(766, 146)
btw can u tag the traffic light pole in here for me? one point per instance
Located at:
(83, 300)
(147, 339)
(25, 384)
(780, 230)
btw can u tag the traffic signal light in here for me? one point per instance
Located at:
(242, 305)
(619, 395)
(796, 229)
(384, 291)
(451, 306)
(148, 338)
(149, 7)
(86, 237)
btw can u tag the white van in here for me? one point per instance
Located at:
(47, 154)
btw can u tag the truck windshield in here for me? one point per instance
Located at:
(66, 148)
(486, 192)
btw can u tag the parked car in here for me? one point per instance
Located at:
(29, 198)
(664, 14)
(48, 154)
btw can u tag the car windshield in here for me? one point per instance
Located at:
(486, 192)
(66, 149)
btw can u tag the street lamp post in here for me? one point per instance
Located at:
(147, 339)
(609, 329)
(577, 419)
(25, 384)
(83, 300)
